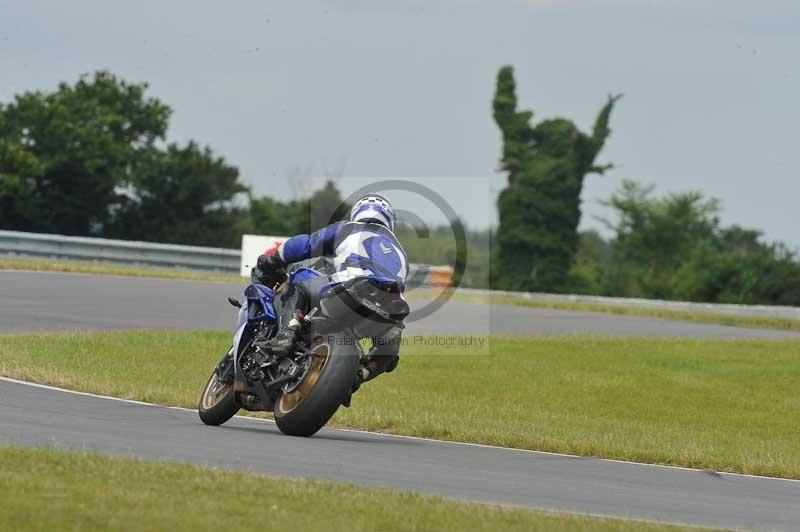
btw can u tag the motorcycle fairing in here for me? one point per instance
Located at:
(263, 298)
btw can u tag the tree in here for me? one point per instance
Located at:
(737, 267)
(673, 247)
(18, 172)
(540, 209)
(86, 159)
(75, 147)
(654, 236)
(588, 273)
(324, 206)
(271, 217)
(182, 196)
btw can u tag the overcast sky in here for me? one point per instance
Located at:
(403, 89)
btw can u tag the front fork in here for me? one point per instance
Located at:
(245, 395)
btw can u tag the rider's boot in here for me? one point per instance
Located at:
(384, 357)
(290, 318)
(284, 342)
(378, 365)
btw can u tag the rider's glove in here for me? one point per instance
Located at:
(270, 263)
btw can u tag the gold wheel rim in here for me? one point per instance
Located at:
(211, 400)
(289, 401)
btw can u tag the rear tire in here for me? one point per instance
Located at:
(330, 388)
(217, 404)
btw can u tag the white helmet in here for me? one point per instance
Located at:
(373, 208)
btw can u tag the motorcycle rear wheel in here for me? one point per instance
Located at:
(327, 385)
(217, 403)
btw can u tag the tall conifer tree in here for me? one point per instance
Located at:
(540, 209)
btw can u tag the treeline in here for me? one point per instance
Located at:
(671, 247)
(660, 247)
(438, 247)
(674, 247)
(90, 159)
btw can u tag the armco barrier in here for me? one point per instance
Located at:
(119, 251)
(132, 253)
(228, 261)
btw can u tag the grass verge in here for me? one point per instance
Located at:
(723, 405)
(94, 492)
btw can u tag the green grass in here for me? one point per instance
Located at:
(51, 490)
(760, 322)
(724, 405)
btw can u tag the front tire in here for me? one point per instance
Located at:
(217, 404)
(326, 386)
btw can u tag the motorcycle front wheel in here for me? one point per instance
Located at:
(326, 385)
(217, 404)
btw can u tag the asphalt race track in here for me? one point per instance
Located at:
(39, 416)
(35, 415)
(44, 301)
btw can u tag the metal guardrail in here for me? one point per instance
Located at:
(129, 253)
(133, 253)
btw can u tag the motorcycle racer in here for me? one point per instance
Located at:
(363, 247)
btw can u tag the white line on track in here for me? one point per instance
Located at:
(385, 435)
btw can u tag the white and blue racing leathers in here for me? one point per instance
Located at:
(358, 250)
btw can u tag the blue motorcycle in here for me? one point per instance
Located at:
(303, 388)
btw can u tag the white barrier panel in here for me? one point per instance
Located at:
(255, 245)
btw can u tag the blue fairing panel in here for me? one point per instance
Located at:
(304, 274)
(265, 297)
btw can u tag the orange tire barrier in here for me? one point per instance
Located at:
(440, 277)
